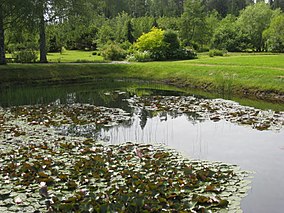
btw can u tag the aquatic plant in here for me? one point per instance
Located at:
(47, 172)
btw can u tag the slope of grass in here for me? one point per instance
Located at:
(252, 75)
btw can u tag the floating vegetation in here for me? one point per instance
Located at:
(213, 109)
(42, 171)
(75, 114)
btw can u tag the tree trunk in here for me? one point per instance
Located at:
(2, 41)
(42, 40)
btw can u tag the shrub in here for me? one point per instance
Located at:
(184, 54)
(25, 56)
(152, 42)
(140, 56)
(216, 52)
(113, 52)
(160, 45)
(172, 45)
(125, 45)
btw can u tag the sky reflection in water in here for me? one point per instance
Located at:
(259, 151)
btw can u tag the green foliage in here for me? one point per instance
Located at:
(152, 42)
(274, 35)
(122, 28)
(75, 56)
(88, 24)
(168, 23)
(225, 7)
(113, 52)
(24, 52)
(192, 22)
(141, 25)
(216, 52)
(139, 56)
(25, 56)
(228, 36)
(55, 37)
(105, 33)
(162, 45)
(253, 21)
(79, 173)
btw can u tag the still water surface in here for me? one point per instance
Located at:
(251, 149)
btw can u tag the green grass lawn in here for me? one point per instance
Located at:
(74, 56)
(259, 72)
(236, 74)
(234, 59)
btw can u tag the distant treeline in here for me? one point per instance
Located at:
(52, 25)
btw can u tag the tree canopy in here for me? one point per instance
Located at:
(49, 25)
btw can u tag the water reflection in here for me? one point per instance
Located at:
(189, 133)
(218, 141)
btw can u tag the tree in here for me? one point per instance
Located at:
(106, 33)
(41, 13)
(166, 8)
(192, 21)
(168, 23)
(221, 6)
(274, 35)
(11, 12)
(42, 35)
(122, 28)
(51, 11)
(225, 7)
(253, 21)
(129, 29)
(227, 36)
(277, 4)
(137, 8)
(142, 25)
(2, 38)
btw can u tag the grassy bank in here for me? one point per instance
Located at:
(257, 76)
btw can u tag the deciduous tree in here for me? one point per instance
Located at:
(192, 20)
(274, 35)
(253, 21)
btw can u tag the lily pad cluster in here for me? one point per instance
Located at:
(213, 109)
(42, 171)
(73, 119)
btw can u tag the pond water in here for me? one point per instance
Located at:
(193, 135)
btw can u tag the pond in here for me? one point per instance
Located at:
(198, 127)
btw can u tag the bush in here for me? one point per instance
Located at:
(125, 45)
(140, 56)
(172, 50)
(25, 56)
(184, 54)
(216, 52)
(113, 52)
(152, 42)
